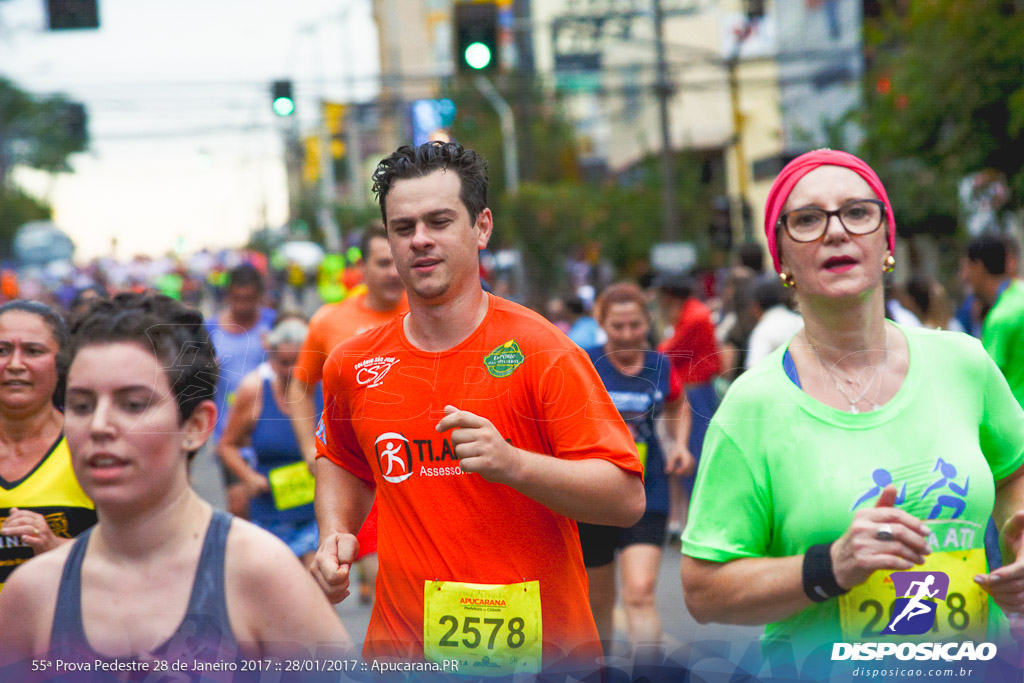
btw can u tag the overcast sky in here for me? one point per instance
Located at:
(185, 148)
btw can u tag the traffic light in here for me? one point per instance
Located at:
(755, 9)
(72, 14)
(284, 103)
(476, 37)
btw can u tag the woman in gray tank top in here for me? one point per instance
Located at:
(163, 582)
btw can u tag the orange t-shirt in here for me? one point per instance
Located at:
(383, 399)
(333, 324)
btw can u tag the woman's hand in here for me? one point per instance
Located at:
(680, 461)
(860, 551)
(33, 529)
(255, 483)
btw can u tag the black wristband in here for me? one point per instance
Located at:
(819, 579)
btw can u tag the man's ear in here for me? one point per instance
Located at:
(485, 225)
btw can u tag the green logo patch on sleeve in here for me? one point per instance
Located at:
(502, 361)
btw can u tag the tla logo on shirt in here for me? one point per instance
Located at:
(916, 596)
(394, 457)
(502, 361)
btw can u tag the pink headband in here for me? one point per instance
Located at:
(801, 166)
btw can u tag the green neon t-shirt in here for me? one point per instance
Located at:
(1003, 336)
(781, 471)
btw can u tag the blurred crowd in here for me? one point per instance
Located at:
(750, 309)
(753, 312)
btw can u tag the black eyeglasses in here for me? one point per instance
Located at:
(859, 217)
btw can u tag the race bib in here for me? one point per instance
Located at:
(641, 452)
(491, 629)
(867, 610)
(291, 485)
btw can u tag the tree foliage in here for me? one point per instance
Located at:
(945, 100)
(546, 142)
(35, 131)
(559, 213)
(621, 218)
(16, 209)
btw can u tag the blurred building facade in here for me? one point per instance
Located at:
(415, 53)
(796, 68)
(754, 83)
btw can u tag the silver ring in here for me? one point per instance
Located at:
(884, 532)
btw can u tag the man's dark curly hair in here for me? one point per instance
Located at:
(416, 162)
(172, 331)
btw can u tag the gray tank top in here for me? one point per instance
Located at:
(204, 634)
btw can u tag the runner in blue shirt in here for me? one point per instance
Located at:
(643, 386)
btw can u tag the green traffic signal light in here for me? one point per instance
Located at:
(475, 36)
(281, 94)
(477, 55)
(284, 106)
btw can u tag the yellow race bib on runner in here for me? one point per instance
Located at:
(291, 485)
(491, 629)
(641, 452)
(867, 609)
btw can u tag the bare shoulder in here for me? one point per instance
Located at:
(261, 570)
(250, 386)
(256, 566)
(28, 601)
(254, 554)
(271, 597)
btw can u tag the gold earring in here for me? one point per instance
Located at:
(787, 280)
(890, 263)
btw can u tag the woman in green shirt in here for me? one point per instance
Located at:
(859, 449)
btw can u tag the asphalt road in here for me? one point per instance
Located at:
(681, 631)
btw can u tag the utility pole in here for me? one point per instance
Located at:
(293, 165)
(354, 154)
(663, 89)
(325, 212)
(508, 131)
(353, 125)
(741, 209)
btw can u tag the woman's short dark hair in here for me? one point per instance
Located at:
(172, 331)
(55, 321)
(415, 162)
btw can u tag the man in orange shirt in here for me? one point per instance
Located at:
(483, 432)
(381, 299)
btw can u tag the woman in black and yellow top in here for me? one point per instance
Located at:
(41, 503)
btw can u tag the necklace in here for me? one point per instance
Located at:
(853, 401)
